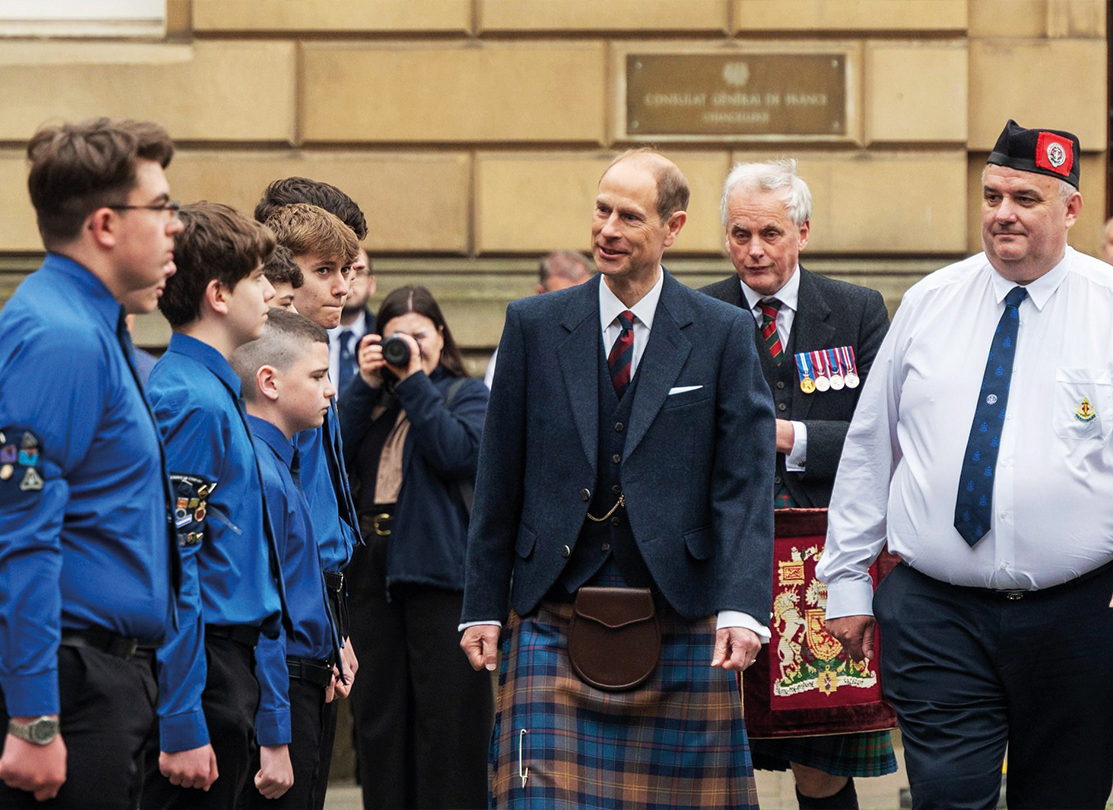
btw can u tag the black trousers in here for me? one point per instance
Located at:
(313, 729)
(422, 715)
(972, 671)
(230, 700)
(107, 712)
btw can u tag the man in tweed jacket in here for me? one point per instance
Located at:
(675, 450)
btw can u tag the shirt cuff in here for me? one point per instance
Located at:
(736, 618)
(465, 625)
(183, 732)
(850, 597)
(794, 461)
(272, 727)
(31, 695)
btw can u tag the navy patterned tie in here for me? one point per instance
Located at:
(347, 366)
(621, 359)
(974, 505)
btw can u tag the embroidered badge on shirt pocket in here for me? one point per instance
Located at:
(1083, 403)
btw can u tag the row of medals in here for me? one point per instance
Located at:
(836, 382)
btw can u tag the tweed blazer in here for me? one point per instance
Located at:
(696, 470)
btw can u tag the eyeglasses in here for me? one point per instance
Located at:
(169, 205)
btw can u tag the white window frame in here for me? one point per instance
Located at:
(83, 18)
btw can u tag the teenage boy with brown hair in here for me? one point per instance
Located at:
(324, 248)
(285, 276)
(232, 579)
(87, 560)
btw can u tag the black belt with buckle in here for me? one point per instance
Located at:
(309, 671)
(239, 633)
(376, 523)
(104, 640)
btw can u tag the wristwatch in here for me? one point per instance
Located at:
(40, 731)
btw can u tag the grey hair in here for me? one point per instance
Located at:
(1066, 190)
(569, 264)
(778, 176)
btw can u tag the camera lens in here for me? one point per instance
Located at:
(396, 351)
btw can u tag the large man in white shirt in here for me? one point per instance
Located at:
(980, 452)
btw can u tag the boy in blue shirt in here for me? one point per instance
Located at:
(88, 564)
(286, 387)
(324, 247)
(232, 586)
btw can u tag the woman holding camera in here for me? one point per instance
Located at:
(411, 425)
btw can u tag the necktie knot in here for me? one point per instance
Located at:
(769, 309)
(1015, 296)
(621, 359)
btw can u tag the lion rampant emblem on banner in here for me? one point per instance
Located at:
(809, 659)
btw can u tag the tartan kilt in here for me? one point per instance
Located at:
(868, 753)
(677, 741)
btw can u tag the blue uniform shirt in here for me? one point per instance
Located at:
(325, 482)
(306, 598)
(84, 541)
(218, 510)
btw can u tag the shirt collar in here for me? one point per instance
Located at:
(96, 293)
(274, 438)
(610, 307)
(1040, 290)
(207, 356)
(788, 295)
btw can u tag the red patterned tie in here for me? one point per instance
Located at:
(621, 359)
(769, 309)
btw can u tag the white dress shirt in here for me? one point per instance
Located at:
(610, 307)
(789, 296)
(358, 328)
(1053, 487)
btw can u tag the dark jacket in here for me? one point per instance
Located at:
(696, 468)
(829, 314)
(430, 530)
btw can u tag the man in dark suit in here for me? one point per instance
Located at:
(628, 443)
(803, 324)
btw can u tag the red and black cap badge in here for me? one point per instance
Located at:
(1042, 151)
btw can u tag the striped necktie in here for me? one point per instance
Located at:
(621, 359)
(769, 309)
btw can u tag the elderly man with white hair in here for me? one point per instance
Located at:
(817, 339)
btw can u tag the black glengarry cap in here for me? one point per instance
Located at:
(1040, 151)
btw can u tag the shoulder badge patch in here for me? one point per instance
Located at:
(190, 493)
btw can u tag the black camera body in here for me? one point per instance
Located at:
(396, 351)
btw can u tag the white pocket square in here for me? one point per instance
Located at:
(684, 389)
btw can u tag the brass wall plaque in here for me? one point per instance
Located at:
(753, 94)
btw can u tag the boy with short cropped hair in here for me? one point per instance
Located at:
(286, 387)
(232, 586)
(324, 248)
(284, 275)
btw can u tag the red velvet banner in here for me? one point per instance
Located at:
(803, 684)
